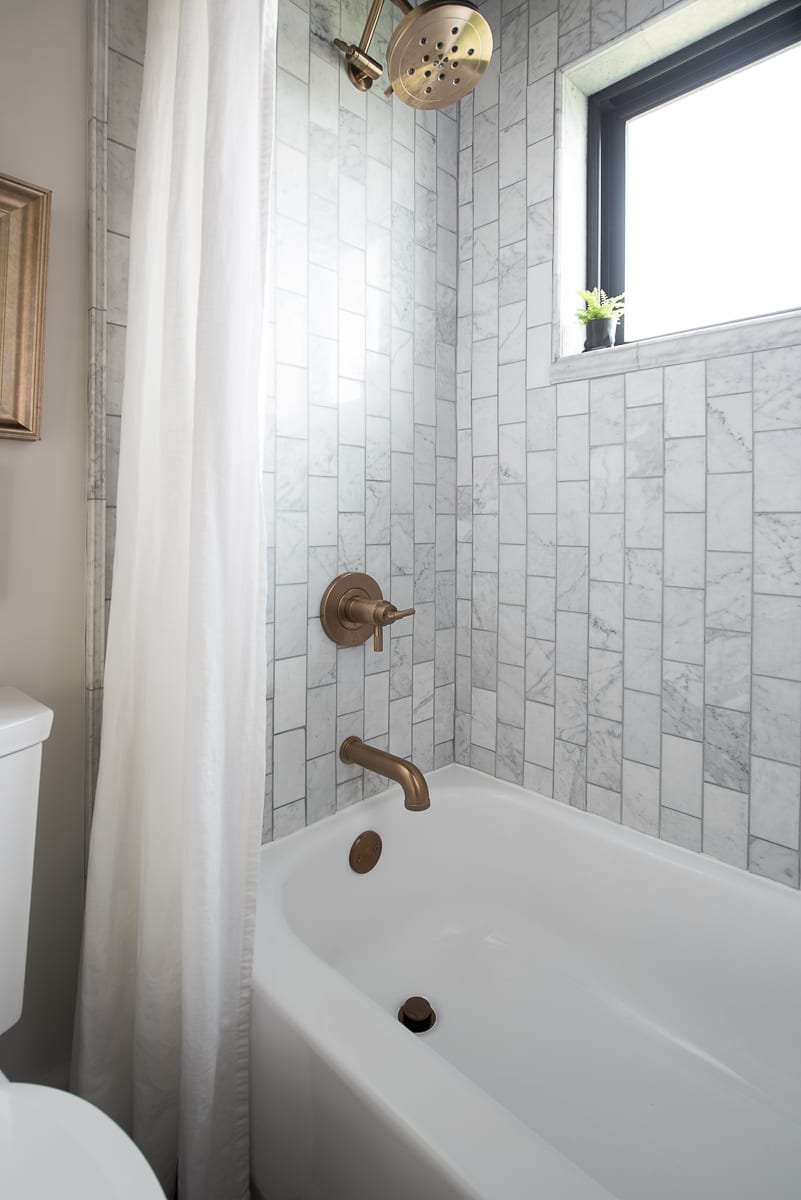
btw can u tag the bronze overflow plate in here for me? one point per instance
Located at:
(365, 852)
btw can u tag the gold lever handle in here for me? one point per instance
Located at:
(389, 618)
(352, 608)
(363, 611)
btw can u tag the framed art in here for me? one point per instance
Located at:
(24, 230)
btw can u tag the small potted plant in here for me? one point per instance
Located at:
(600, 317)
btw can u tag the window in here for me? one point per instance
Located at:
(694, 178)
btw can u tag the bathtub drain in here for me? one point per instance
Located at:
(416, 1014)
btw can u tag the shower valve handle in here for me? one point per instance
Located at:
(353, 607)
(376, 613)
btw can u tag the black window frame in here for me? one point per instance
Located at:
(747, 41)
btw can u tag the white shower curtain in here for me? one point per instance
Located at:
(162, 1025)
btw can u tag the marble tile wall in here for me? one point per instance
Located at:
(628, 566)
(361, 453)
(606, 570)
(116, 54)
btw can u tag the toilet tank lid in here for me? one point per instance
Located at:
(23, 722)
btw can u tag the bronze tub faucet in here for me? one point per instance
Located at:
(410, 777)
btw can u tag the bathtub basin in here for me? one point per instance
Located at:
(617, 1017)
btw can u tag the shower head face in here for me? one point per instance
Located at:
(438, 53)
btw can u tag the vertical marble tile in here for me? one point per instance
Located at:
(775, 801)
(777, 636)
(776, 707)
(682, 774)
(726, 738)
(725, 825)
(728, 669)
(777, 553)
(570, 774)
(729, 433)
(683, 700)
(640, 806)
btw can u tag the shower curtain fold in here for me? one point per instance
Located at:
(161, 1038)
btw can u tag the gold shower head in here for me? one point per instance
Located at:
(436, 55)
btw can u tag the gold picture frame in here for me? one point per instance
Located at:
(24, 233)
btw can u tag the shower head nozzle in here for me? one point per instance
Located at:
(436, 55)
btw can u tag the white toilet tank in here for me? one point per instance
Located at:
(24, 725)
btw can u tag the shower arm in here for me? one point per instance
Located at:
(362, 69)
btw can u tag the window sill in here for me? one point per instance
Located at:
(738, 337)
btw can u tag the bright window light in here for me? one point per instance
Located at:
(713, 181)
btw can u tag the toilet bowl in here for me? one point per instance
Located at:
(52, 1144)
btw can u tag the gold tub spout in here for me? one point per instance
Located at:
(410, 777)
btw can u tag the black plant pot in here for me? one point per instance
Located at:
(600, 333)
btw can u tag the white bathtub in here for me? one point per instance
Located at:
(616, 1016)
